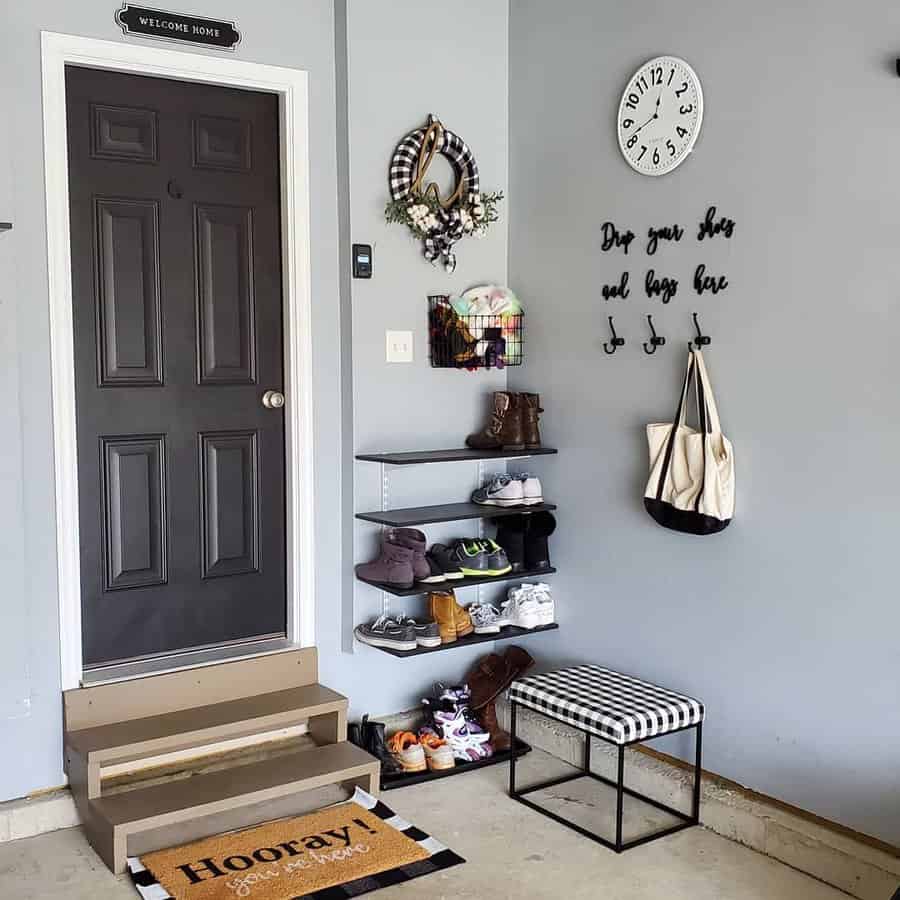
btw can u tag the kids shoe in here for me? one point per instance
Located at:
(438, 753)
(466, 746)
(501, 490)
(407, 752)
(443, 558)
(532, 492)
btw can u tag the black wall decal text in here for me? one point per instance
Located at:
(704, 282)
(709, 227)
(664, 233)
(611, 291)
(665, 288)
(612, 237)
(169, 26)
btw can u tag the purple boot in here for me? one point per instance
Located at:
(416, 541)
(394, 566)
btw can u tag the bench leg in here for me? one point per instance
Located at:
(512, 739)
(620, 797)
(698, 742)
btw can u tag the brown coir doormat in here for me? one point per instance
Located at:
(341, 851)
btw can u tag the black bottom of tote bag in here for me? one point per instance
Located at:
(688, 521)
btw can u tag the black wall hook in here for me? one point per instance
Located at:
(616, 340)
(655, 341)
(702, 340)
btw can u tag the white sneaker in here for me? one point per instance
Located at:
(502, 490)
(547, 609)
(520, 610)
(485, 618)
(532, 492)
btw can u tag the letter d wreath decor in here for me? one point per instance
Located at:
(439, 223)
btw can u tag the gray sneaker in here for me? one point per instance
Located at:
(501, 490)
(427, 632)
(498, 561)
(471, 558)
(385, 632)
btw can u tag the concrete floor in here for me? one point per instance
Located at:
(512, 852)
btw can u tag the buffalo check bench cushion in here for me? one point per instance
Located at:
(613, 706)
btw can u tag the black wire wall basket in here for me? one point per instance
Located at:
(473, 341)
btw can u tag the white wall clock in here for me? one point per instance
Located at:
(660, 115)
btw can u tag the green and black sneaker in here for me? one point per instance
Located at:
(498, 561)
(471, 557)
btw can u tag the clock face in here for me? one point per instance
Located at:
(660, 115)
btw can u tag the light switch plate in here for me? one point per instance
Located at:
(399, 346)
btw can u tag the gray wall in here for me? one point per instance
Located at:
(393, 84)
(298, 35)
(786, 624)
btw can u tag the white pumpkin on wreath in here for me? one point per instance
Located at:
(437, 222)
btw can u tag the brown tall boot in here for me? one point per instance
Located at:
(500, 739)
(531, 414)
(505, 427)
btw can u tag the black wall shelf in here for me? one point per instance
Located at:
(447, 512)
(405, 779)
(504, 634)
(464, 454)
(5, 226)
(418, 589)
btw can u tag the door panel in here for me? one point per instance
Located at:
(128, 291)
(227, 344)
(177, 304)
(230, 512)
(134, 495)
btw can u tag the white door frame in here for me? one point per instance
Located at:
(58, 50)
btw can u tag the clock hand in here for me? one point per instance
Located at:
(655, 114)
(636, 130)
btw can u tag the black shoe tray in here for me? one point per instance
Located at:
(405, 779)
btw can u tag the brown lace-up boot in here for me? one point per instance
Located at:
(504, 431)
(531, 414)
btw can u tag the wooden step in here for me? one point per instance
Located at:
(325, 711)
(114, 824)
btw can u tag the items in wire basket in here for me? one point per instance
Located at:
(482, 328)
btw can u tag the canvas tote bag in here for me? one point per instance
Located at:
(691, 484)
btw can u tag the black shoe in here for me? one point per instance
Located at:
(437, 575)
(511, 537)
(443, 557)
(374, 743)
(537, 550)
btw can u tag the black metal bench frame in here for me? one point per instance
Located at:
(686, 821)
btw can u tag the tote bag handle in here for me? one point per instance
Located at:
(709, 401)
(678, 423)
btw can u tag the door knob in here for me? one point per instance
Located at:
(273, 399)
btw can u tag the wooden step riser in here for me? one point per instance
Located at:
(328, 728)
(115, 844)
(141, 697)
(325, 727)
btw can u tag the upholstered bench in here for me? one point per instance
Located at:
(619, 709)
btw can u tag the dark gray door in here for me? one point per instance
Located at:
(176, 276)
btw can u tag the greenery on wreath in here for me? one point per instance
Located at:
(421, 213)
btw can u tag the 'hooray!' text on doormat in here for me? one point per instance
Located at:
(341, 851)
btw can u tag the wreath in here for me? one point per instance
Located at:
(437, 222)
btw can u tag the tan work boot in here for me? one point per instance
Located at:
(462, 618)
(442, 609)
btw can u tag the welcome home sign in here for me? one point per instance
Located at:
(170, 26)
